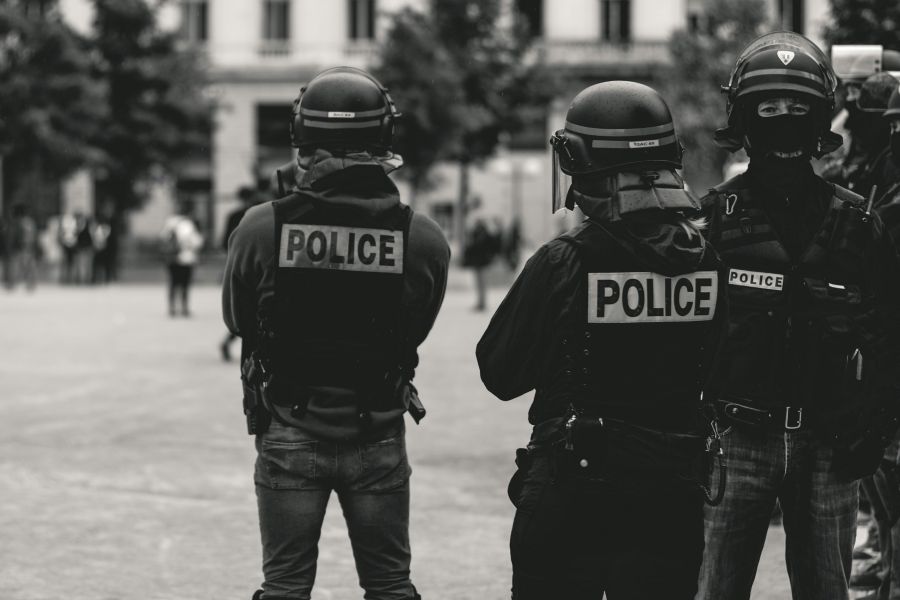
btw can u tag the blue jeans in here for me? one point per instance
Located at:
(819, 516)
(295, 475)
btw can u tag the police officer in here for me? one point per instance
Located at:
(866, 75)
(808, 377)
(883, 488)
(866, 165)
(614, 324)
(332, 288)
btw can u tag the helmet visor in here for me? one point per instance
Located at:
(855, 61)
(561, 182)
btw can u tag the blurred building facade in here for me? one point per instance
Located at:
(260, 52)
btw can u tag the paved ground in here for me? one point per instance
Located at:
(126, 473)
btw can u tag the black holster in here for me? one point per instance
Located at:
(258, 417)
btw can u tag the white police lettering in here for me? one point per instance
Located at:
(341, 248)
(651, 298)
(756, 279)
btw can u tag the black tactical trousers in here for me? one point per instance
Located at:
(577, 538)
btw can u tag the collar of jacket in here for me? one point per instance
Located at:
(355, 178)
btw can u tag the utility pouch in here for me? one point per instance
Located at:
(586, 445)
(517, 481)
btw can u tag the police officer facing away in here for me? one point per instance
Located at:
(808, 375)
(614, 324)
(332, 288)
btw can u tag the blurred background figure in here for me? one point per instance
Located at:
(22, 249)
(68, 238)
(100, 271)
(483, 242)
(180, 242)
(248, 197)
(84, 249)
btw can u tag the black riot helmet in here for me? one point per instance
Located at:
(343, 108)
(613, 127)
(780, 64)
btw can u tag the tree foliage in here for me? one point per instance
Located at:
(158, 113)
(462, 75)
(121, 102)
(52, 101)
(864, 22)
(701, 63)
(425, 84)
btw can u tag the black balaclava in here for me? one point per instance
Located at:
(867, 130)
(895, 147)
(787, 134)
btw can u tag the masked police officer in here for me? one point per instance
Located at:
(808, 375)
(614, 324)
(332, 288)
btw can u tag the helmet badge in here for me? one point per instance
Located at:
(786, 56)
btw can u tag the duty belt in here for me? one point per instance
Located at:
(789, 418)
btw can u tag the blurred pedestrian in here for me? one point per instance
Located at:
(332, 289)
(248, 198)
(483, 243)
(84, 249)
(23, 248)
(100, 267)
(181, 242)
(615, 325)
(68, 239)
(808, 380)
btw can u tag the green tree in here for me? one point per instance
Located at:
(864, 22)
(427, 88)
(476, 81)
(51, 105)
(701, 63)
(158, 113)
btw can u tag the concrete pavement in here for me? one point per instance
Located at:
(127, 474)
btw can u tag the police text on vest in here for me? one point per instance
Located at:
(341, 248)
(756, 279)
(651, 298)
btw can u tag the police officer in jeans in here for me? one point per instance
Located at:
(614, 324)
(332, 288)
(808, 376)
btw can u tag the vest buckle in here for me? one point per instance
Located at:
(793, 418)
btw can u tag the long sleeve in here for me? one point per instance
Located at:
(514, 352)
(248, 273)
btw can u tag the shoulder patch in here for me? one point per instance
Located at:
(340, 248)
(645, 297)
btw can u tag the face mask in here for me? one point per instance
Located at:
(784, 134)
(895, 147)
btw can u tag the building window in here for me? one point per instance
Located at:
(616, 20)
(530, 15)
(362, 19)
(276, 20)
(194, 20)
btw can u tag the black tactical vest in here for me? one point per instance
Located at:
(338, 285)
(634, 347)
(795, 323)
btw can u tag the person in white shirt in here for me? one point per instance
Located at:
(181, 242)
